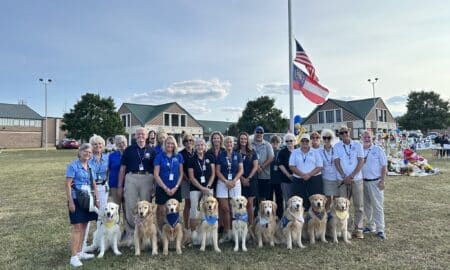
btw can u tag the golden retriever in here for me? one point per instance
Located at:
(172, 230)
(292, 222)
(145, 231)
(208, 228)
(339, 220)
(265, 223)
(240, 221)
(108, 233)
(317, 218)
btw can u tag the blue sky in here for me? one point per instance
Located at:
(213, 56)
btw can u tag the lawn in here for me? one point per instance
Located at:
(35, 230)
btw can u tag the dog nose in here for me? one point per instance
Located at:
(240, 205)
(108, 214)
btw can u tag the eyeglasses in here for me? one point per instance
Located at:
(326, 138)
(343, 132)
(305, 141)
(259, 132)
(190, 140)
(289, 141)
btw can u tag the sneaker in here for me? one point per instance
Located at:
(381, 235)
(75, 261)
(85, 256)
(358, 234)
(368, 230)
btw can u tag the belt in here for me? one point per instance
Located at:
(140, 172)
(370, 180)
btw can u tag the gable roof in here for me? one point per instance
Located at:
(210, 126)
(18, 111)
(145, 113)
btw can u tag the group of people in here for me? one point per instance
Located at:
(154, 168)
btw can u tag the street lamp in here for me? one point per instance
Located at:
(45, 83)
(373, 82)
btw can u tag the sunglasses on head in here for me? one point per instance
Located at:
(326, 138)
(343, 132)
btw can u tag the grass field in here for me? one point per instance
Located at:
(35, 230)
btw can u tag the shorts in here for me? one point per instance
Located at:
(264, 189)
(330, 188)
(162, 197)
(185, 188)
(194, 212)
(80, 215)
(250, 191)
(223, 192)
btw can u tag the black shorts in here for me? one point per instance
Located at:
(264, 189)
(162, 197)
(251, 190)
(80, 215)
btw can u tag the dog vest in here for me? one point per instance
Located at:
(109, 224)
(284, 220)
(262, 221)
(319, 215)
(210, 219)
(173, 219)
(241, 217)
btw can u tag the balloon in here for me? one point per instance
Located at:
(397, 130)
(297, 119)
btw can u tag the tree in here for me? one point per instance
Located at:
(261, 112)
(425, 111)
(93, 115)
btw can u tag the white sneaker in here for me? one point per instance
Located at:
(75, 261)
(85, 256)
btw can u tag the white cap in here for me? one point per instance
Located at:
(305, 136)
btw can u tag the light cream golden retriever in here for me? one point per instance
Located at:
(292, 222)
(208, 228)
(172, 230)
(265, 223)
(145, 232)
(317, 218)
(240, 221)
(339, 220)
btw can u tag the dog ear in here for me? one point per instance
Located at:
(261, 208)
(135, 208)
(274, 206)
(178, 206)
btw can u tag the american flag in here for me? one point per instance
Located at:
(310, 88)
(302, 58)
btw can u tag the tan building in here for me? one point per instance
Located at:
(370, 113)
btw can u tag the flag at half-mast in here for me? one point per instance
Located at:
(302, 58)
(310, 88)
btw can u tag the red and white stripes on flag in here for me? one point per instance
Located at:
(302, 58)
(310, 88)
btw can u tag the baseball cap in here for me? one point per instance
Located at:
(259, 128)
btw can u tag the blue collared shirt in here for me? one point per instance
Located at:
(80, 176)
(99, 168)
(169, 165)
(114, 168)
(234, 162)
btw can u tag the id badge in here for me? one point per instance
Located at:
(99, 177)
(204, 168)
(202, 179)
(230, 177)
(275, 168)
(141, 167)
(171, 177)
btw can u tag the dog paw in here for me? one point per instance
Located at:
(325, 241)
(179, 252)
(302, 246)
(137, 254)
(202, 249)
(236, 249)
(272, 244)
(348, 242)
(218, 250)
(244, 249)
(100, 256)
(155, 253)
(335, 241)
(118, 253)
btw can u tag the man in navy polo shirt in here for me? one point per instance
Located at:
(137, 171)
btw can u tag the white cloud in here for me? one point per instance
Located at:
(197, 108)
(397, 100)
(275, 88)
(232, 109)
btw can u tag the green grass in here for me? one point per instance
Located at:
(35, 230)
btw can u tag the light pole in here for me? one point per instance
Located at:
(45, 83)
(373, 82)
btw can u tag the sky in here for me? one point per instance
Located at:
(214, 56)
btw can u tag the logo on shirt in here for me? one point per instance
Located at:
(207, 160)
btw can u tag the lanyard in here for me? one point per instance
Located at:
(139, 153)
(304, 156)
(229, 162)
(326, 155)
(365, 158)
(202, 166)
(170, 165)
(349, 151)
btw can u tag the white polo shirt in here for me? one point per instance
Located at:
(328, 169)
(305, 162)
(348, 155)
(375, 159)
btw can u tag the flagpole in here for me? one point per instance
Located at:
(291, 93)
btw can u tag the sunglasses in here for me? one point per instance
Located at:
(190, 140)
(305, 141)
(289, 141)
(326, 138)
(259, 132)
(343, 132)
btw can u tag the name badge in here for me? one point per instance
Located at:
(202, 179)
(141, 167)
(230, 176)
(204, 167)
(171, 177)
(99, 177)
(275, 168)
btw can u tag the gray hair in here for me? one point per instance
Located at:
(120, 138)
(97, 139)
(328, 132)
(83, 147)
(198, 141)
(290, 136)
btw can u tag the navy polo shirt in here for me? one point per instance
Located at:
(168, 165)
(235, 160)
(186, 157)
(197, 164)
(134, 155)
(248, 162)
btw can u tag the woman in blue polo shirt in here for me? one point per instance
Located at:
(168, 174)
(229, 170)
(78, 174)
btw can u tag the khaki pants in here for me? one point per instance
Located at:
(373, 205)
(137, 187)
(357, 193)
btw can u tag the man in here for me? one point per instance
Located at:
(137, 171)
(349, 160)
(265, 154)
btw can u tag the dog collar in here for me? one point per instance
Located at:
(211, 219)
(241, 217)
(319, 215)
(173, 219)
(342, 214)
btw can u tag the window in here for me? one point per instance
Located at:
(330, 116)
(338, 116)
(126, 119)
(385, 116)
(167, 119)
(183, 120)
(175, 120)
(321, 117)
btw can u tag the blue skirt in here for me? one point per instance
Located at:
(80, 215)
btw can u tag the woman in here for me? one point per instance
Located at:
(315, 140)
(188, 154)
(120, 142)
(283, 166)
(392, 146)
(229, 170)
(201, 172)
(275, 177)
(151, 139)
(162, 136)
(250, 166)
(329, 173)
(306, 164)
(78, 174)
(168, 174)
